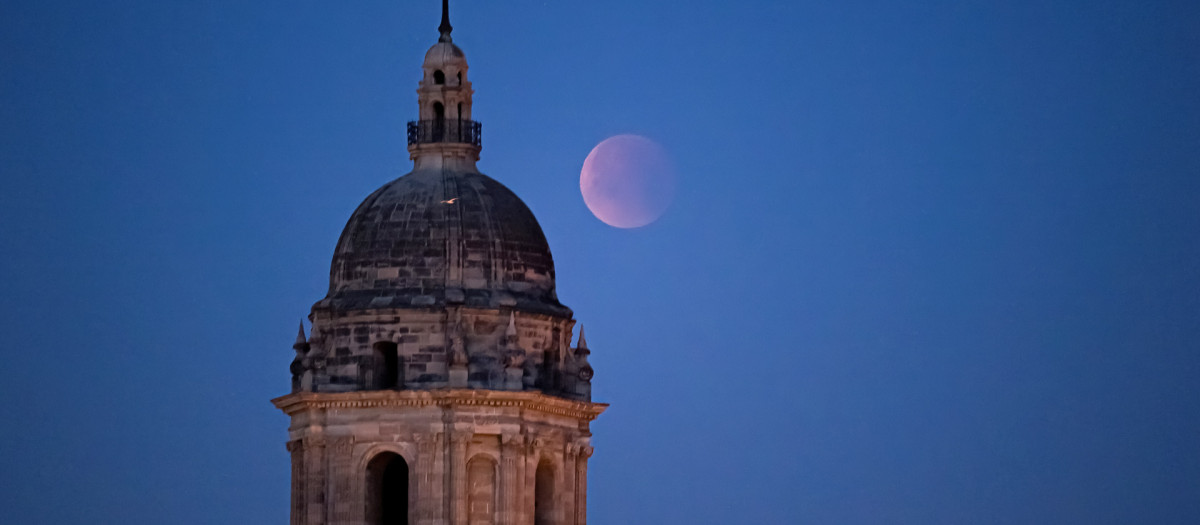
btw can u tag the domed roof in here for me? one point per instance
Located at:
(444, 53)
(440, 237)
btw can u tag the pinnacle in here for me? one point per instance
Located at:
(511, 331)
(300, 338)
(445, 28)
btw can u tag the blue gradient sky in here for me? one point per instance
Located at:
(929, 262)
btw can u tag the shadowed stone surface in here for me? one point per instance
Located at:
(443, 237)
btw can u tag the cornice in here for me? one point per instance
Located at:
(298, 402)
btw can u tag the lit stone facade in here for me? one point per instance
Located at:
(473, 456)
(439, 384)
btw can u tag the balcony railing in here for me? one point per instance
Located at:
(432, 131)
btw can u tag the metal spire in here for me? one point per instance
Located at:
(445, 28)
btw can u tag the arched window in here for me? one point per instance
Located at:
(439, 122)
(387, 363)
(549, 375)
(439, 77)
(481, 494)
(387, 490)
(543, 494)
(460, 115)
(460, 78)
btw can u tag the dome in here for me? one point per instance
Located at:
(444, 53)
(438, 237)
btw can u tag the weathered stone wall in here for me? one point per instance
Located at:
(472, 455)
(494, 349)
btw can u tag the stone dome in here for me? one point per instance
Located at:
(438, 237)
(443, 54)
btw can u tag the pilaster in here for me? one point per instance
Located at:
(567, 495)
(581, 460)
(512, 457)
(458, 477)
(295, 448)
(314, 480)
(430, 489)
(341, 473)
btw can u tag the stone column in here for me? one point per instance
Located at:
(314, 480)
(566, 496)
(441, 480)
(533, 455)
(511, 478)
(458, 477)
(296, 449)
(581, 459)
(521, 493)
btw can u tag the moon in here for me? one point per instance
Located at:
(627, 181)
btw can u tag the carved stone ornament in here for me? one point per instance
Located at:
(510, 440)
(514, 359)
(458, 347)
(458, 354)
(586, 373)
(536, 443)
(342, 445)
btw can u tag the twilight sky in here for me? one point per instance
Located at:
(928, 262)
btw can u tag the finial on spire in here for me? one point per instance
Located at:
(445, 28)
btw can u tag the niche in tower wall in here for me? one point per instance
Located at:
(481, 491)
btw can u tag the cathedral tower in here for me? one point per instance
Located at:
(438, 385)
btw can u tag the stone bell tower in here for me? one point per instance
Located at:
(438, 384)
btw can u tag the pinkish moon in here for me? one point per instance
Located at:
(627, 181)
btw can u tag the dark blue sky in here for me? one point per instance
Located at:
(929, 262)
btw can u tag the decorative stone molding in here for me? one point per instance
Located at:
(298, 402)
(535, 443)
(572, 449)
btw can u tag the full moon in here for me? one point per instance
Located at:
(627, 181)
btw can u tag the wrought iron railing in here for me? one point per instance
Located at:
(430, 131)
